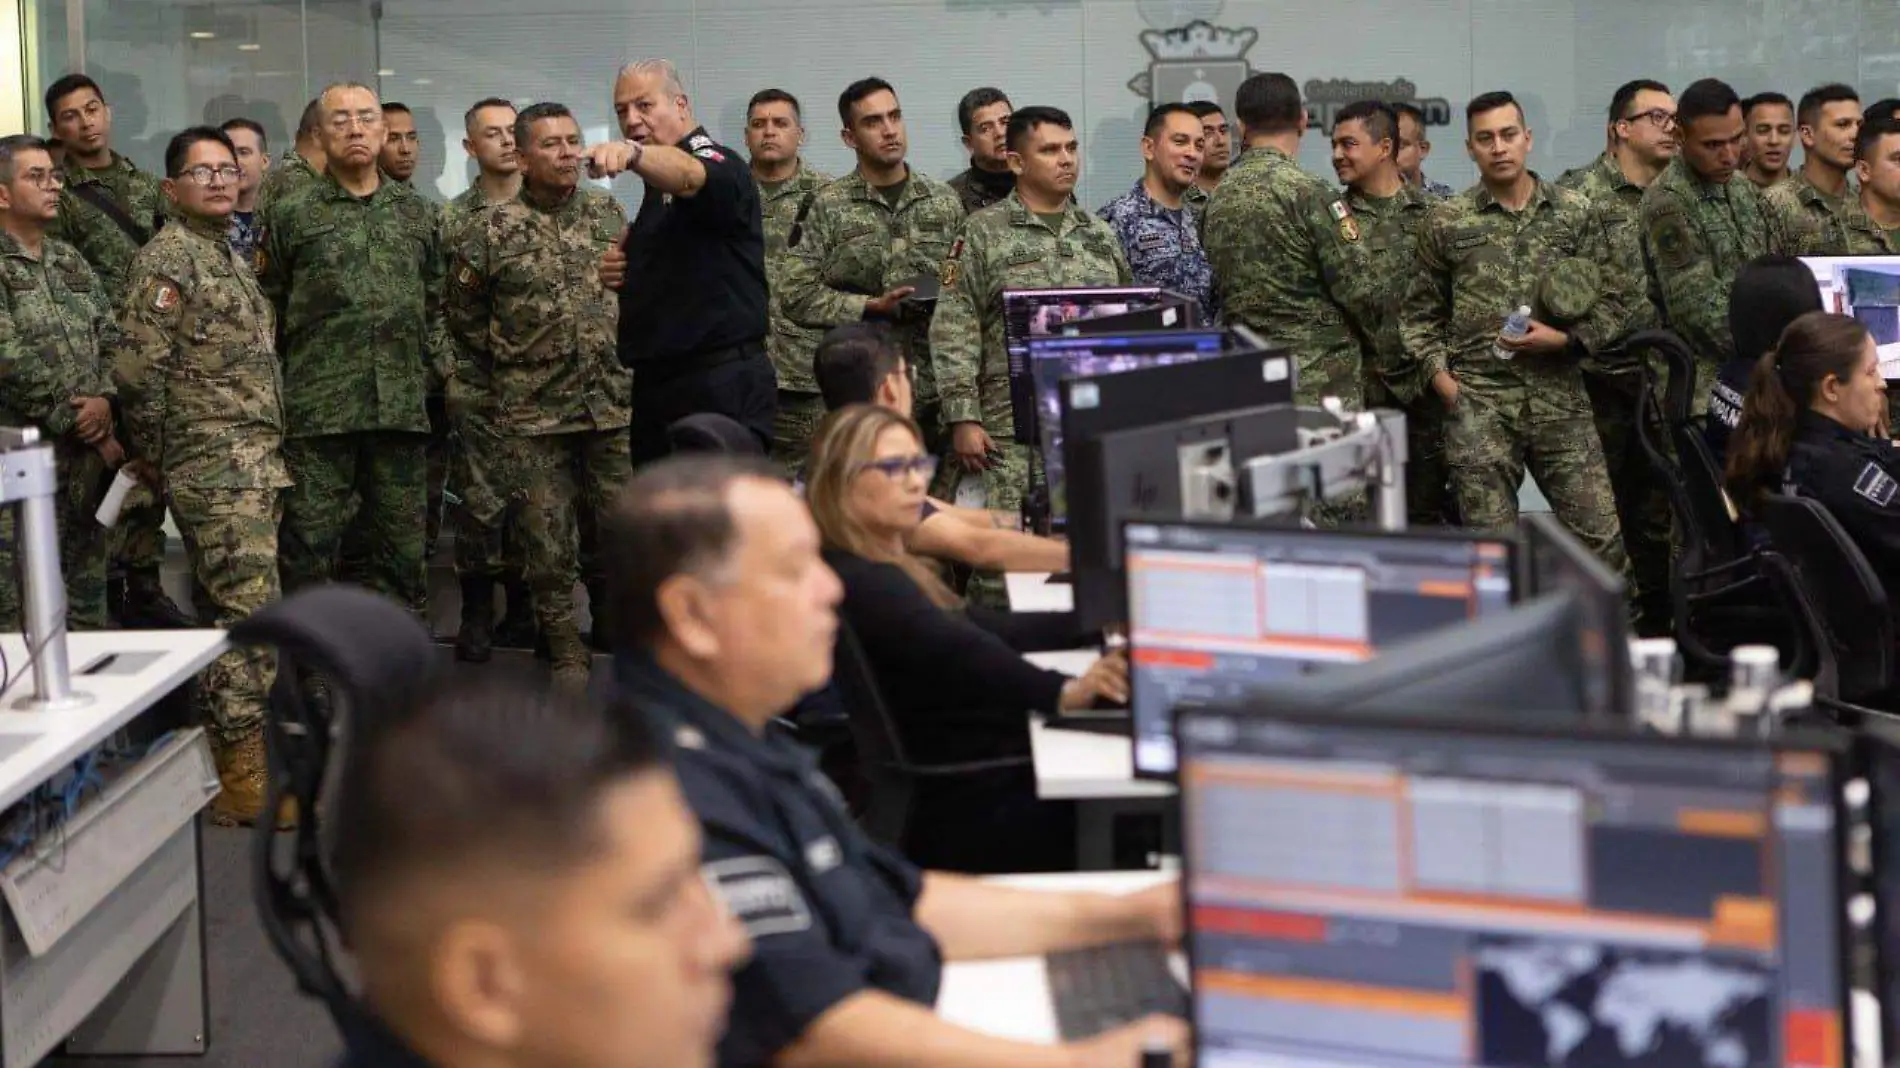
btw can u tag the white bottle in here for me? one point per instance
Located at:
(1517, 324)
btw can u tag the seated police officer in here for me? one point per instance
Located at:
(525, 906)
(729, 615)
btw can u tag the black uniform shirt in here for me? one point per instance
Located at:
(695, 279)
(370, 1044)
(1857, 479)
(829, 911)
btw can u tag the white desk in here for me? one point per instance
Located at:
(1097, 771)
(1009, 998)
(1031, 591)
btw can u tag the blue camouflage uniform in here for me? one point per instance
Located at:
(1163, 246)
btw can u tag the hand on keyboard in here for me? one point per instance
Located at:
(1123, 1047)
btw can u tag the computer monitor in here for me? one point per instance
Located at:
(1867, 288)
(1364, 892)
(1217, 610)
(1137, 474)
(1554, 560)
(1171, 312)
(1030, 313)
(1054, 360)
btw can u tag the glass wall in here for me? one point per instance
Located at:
(165, 64)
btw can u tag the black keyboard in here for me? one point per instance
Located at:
(1096, 990)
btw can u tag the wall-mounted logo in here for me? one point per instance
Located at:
(1326, 96)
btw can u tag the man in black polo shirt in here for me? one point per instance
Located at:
(692, 306)
(728, 615)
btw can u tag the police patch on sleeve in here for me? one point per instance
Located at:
(760, 894)
(710, 153)
(1876, 485)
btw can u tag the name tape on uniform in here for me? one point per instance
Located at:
(760, 894)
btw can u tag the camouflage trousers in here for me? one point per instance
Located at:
(83, 543)
(1494, 435)
(1642, 503)
(1005, 483)
(483, 543)
(384, 473)
(231, 540)
(138, 539)
(793, 429)
(436, 459)
(1428, 497)
(551, 480)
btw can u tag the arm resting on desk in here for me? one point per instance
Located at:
(987, 547)
(976, 920)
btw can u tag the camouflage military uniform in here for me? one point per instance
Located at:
(1614, 383)
(1696, 236)
(290, 173)
(138, 541)
(790, 346)
(1163, 246)
(525, 304)
(1195, 200)
(1289, 264)
(1818, 222)
(482, 545)
(977, 189)
(52, 326)
(1006, 246)
(1389, 232)
(1861, 236)
(1477, 261)
(201, 391)
(356, 283)
(1436, 190)
(855, 247)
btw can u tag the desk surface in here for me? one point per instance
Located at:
(1077, 765)
(35, 745)
(1009, 998)
(1031, 591)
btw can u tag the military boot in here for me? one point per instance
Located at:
(517, 618)
(242, 774)
(146, 606)
(475, 642)
(570, 655)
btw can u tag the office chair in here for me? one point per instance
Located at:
(1856, 631)
(376, 659)
(891, 777)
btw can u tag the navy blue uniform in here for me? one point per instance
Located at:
(1857, 479)
(371, 1045)
(830, 912)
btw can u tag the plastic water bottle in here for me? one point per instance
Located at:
(1517, 324)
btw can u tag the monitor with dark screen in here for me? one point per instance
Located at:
(1033, 313)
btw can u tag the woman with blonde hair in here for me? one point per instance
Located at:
(951, 674)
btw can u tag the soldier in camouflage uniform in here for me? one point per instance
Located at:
(1288, 255)
(108, 210)
(526, 302)
(774, 131)
(353, 267)
(1873, 226)
(1514, 240)
(1701, 221)
(1643, 126)
(983, 116)
(1390, 211)
(1818, 195)
(197, 372)
(1037, 238)
(1159, 235)
(869, 232)
(302, 163)
(1217, 153)
(52, 324)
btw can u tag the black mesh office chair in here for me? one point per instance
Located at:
(1855, 643)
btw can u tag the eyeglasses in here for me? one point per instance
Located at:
(1661, 119)
(362, 119)
(899, 466)
(44, 179)
(203, 173)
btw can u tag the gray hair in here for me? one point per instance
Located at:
(669, 74)
(10, 149)
(337, 87)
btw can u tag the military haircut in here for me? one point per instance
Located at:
(67, 86)
(1707, 98)
(311, 119)
(10, 148)
(1808, 112)
(263, 140)
(1872, 129)
(1022, 122)
(1268, 103)
(852, 361)
(974, 101)
(1381, 121)
(774, 96)
(1625, 95)
(671, 519)
(1767, 99)
(1485, 103)
(533, 113)
(1158, 117)
(396, 107)
(1203, 108)
(856, 92)
(446, 788)
(468, 117)
(1884, 108)
(180, 145)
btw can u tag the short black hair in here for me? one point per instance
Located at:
(1485, 103)
(67, 86)
(180, 146)
(1158, 117)
(1770, 98)
(774, 96)
(1808, 112)
(1709, 97)
(852, 360)
(670, 519)
(1872, 129)
(312, 118)
(533, 113)
(397, 106)
(1885, 107)
(1382, 122)
(10, 148)
(1268, 103)
(1022, 122)
(1625, 95)
(263, 139)
(468, 117)
(1407, 109)
(857, 91)
(1203, 108)
(448, 784)
(974, 101)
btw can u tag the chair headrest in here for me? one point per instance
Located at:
(368, 644)
(712, 432)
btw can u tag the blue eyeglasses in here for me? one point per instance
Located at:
(899, 466)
